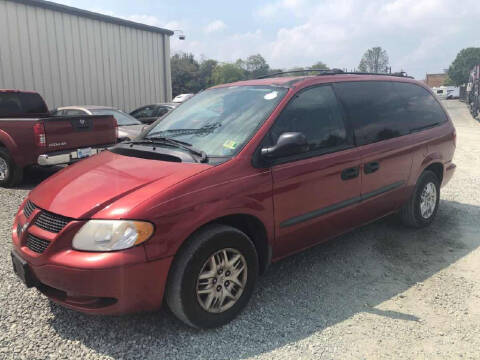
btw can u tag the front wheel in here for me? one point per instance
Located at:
(212, 277)
(421, 208)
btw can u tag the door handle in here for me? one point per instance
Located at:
(350, 173)
(371, 167)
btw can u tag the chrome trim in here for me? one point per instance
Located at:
(63, 158)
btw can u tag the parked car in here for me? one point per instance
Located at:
(150, 113)
(239, 176)
(453, 92)
(128, 126)
(29, 135)
(182, 98)
(441, 92)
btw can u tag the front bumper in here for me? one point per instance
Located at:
(107, 283)
(67, 157)
(109, 291)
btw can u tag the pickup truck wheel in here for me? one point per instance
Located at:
(213, 277)
(10, 174)
(421, 208)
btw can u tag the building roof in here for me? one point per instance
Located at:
(92, 15)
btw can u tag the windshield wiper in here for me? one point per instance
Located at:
(178, 132)
(159, 140)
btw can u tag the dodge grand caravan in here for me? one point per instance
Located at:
(241, 175)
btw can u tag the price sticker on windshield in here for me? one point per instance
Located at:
(230, 144)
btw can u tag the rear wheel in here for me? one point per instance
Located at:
(421, 208)
(10, 174)
(212, 277)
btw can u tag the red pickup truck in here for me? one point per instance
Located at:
(29, 135)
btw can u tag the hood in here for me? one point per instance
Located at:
(82, 189)
(130, 131)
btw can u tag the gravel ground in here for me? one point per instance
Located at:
(382, 291)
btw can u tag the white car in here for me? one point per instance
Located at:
(182, 98)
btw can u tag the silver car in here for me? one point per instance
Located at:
(128, 126)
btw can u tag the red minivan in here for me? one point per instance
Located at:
(239, 176)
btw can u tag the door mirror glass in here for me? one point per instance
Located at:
(289, 143)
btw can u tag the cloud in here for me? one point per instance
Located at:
(419, 35)
(215, 26)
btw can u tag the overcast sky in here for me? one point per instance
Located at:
(420, 36)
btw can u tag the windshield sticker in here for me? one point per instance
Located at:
(230, 144)
(271, 96)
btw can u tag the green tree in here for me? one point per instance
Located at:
(459, 70)
(253, 66)
(184, 70)
(205, 72)
(226, 73)
(374, 60)
(319, 66)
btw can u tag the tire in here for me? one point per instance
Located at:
(12, 174)
(181, 292)
(411, 213)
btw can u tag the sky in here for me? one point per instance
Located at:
(420, 36)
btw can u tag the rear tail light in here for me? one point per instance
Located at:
(39, 133)
(115, 123)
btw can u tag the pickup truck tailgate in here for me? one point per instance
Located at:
(72, 132)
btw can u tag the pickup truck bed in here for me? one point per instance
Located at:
(38, 139)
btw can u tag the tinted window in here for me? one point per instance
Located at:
(316, 114)
(21, 103)
(380, 110)
(374, 110)
(420, 108)
(147, 111)
(161, 111)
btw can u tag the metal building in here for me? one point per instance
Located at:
(77, 57)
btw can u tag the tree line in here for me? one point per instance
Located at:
(191, 76)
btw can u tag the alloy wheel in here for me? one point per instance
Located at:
(428, 200)
(222, 280)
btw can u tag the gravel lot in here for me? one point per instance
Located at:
(382, 291)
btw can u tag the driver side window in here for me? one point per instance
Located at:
(315, 113)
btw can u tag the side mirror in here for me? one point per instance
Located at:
(288, 143)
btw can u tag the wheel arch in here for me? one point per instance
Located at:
(252, 226)
(437, 169)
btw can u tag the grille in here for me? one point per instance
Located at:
(51, 222)
(36, 244)
(28, 208)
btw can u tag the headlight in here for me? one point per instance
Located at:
(110, 235)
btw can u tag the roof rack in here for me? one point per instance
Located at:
(320, 71)
(335, 72)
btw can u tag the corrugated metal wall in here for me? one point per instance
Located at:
(75, 60)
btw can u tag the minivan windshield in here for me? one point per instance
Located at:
(220, 121)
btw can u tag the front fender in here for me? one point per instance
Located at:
(178, 219)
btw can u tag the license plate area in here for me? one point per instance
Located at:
(22, 270)
(83, 153)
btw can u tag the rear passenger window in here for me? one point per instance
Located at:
(315, 113)
(374, 110)
(419, 106)
(381, 110)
